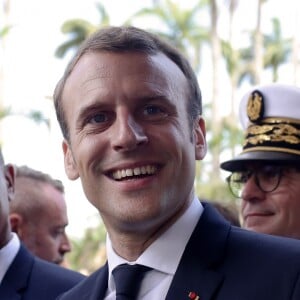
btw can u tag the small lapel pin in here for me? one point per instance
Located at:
(193, 296)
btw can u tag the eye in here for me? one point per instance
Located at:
(98, 118)
(58, 232)
(151, 110)
(241, 177)
(245, 176)
(154, 112)
(270, 171)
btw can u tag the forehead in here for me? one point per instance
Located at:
(96, 68)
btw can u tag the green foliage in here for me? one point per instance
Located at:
(79, 30)
(4, 31)
(38, 117)
(179, 26)
(277, 48)
(88, 253)
(4, 112)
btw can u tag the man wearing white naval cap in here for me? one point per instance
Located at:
(266, 175)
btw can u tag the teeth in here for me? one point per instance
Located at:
(144, 170)
(136, 171)
(129, 172)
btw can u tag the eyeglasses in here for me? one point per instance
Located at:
(267, 179)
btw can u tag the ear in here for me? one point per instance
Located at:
(199, 133)
(16, 222)
(70, 164)
(10, 171)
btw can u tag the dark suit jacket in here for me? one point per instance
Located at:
(222, 262)
(30, 278)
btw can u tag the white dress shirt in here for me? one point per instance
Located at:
(163, 256)
(8, 254)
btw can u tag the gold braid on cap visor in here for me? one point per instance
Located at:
(274, 134)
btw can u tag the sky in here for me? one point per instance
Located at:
(31, 72)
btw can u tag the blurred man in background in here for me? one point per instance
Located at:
(22, 275)
(38, 214)
(266, 175)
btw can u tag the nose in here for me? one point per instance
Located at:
(128, 134)
(251, 192)
(65, 245)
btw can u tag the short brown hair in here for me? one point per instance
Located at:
(25, 171)
(28, 188)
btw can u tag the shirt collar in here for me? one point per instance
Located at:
(8, 253)
(158, 255)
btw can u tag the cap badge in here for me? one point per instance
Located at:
(255, 106)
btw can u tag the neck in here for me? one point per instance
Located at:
(131, 244)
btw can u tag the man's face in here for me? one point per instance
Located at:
(44, 234)
(276, 212)
(130, 139)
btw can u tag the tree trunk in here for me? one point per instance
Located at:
(216, 119)
(258, 46)
(296, 48)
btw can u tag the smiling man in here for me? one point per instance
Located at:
(266, 175)
(129, 107)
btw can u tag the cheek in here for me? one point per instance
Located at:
(289, 204)
(178, 135)
(242, 205)
(286, 199)
(88, 153)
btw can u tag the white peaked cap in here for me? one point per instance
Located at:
(270, 116)
(280, 101)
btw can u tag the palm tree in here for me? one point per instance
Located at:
(294, 58)
(216, 120)
(277, 49)
(180, 25)
(232, 57)
(79, 30)
(258, 45)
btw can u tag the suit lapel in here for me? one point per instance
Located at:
(99, 290)
(92, 288)
(197, 271)
(15, 280)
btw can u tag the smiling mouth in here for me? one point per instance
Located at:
(133, 173)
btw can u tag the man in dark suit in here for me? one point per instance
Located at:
(23, 276)
(129, 107)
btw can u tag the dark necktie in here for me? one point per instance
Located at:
(128, 279)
